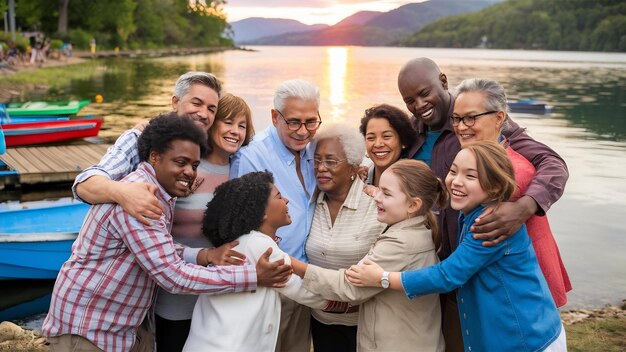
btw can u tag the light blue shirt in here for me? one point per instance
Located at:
(268, 152)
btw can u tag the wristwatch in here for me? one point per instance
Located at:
(384, 280)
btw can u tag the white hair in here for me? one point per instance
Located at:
(349, 137)
(296, 88)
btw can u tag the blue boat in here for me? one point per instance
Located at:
(5, 118)
(24, 298)
(530, 106)
(34, 243)
(24, 119)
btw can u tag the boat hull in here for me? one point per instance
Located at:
(23, 119)
(34, 243)
(529, 107)
(33, 259)
(35, 108)
(31, 133)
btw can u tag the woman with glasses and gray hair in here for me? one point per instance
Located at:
(344, 225)
(480, 113)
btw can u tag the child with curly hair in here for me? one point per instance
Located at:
(248, 209)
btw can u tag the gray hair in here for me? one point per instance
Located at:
(185, 81)
(296, 88)
(495, 96)
(349, 137)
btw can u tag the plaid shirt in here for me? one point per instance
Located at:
(104, 290)
(120, 160)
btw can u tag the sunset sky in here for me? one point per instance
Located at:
(307, 11)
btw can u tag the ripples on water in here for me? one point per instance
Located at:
(588, 126)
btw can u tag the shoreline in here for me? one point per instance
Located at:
(79, 57)
(19, 337)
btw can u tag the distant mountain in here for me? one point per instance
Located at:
(357, 19)
(532, 24)
(378, 29)
(249, 29)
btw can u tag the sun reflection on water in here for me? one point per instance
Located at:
(337, 67)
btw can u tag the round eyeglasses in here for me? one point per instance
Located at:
(294, 125)
(468, 120)
(329, 163)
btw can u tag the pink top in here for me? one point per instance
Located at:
(539, 230)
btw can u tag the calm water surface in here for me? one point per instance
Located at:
(587, 127)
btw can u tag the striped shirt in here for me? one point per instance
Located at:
(104, 290)
(187, 230)
(344, 243)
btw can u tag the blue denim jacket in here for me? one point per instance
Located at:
(504, 300)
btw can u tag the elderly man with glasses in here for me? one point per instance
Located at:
(284, 149)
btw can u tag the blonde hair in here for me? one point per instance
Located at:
(229, 107)
(417, 180)
(495, 171)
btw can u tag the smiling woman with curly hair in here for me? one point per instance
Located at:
(249, 209)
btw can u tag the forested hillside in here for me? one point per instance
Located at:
(598, 25)
(126, 23)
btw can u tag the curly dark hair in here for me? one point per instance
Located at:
(397, 119)
(165, 128)
(237, 207)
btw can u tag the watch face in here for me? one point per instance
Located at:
(384, 280)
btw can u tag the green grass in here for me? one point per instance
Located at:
(606, 335)
(50, 76)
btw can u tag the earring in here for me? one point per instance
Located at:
(352, 178)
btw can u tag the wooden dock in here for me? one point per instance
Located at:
(48, 164)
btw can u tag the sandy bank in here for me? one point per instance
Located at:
(16, 338)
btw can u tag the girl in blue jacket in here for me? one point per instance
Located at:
(504, 301)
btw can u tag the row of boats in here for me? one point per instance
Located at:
(39, 122)
(35, 242)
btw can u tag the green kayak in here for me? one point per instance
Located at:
(46, 108)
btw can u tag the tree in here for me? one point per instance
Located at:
(63, 5)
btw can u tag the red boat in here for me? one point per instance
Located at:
(29, 133)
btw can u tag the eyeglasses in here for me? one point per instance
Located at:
(202, 120)
(329, 164)
(468, 120)
(295, 125)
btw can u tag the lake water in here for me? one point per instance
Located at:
(587, 126)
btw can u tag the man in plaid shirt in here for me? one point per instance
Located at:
(105, 289)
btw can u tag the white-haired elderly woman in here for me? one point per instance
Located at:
(344, 225)
(480, 113)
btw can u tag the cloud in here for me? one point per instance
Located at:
(313, 3)
(279, 3)
(307, 11)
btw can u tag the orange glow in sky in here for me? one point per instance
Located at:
(308, 11)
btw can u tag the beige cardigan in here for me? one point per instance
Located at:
(388, 320)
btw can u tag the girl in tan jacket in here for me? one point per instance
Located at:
(388, 321)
